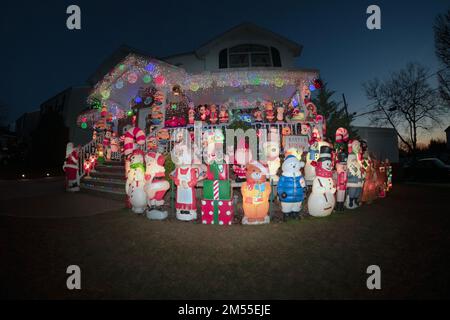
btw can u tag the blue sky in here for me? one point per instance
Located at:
(42, 57)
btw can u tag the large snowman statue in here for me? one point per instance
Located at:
(321, 201)
(134, 186)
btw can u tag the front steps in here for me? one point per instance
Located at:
(107, 181)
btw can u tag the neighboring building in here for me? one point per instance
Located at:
(382, 142)
(25, 125)
(447, 133)
(69, 103)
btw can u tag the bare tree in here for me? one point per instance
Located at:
(442, 43)
(406, 102)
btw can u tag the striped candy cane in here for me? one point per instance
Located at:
(216, 189)
(132, 136)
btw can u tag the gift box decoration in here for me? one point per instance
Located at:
(219, 212)
(217, 171)
(216, 189)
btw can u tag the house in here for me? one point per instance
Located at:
(243, 67)
(69, 103)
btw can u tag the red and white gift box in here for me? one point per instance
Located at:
(219, 212)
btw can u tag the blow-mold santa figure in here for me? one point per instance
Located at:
(155, 185)
(70, 168)
(321, 201)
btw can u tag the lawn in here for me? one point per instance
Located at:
(123, 255)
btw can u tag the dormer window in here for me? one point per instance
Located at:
(249, 55)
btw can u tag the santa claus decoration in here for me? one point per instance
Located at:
(156, 185)
(242, 157)
(255, 194)
(70, 168)
(185, 178)
(321, 201)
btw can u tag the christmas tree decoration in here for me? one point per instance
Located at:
(291, 186)
(134, 186)
(322, 199)
(70, 168)
(255, 194)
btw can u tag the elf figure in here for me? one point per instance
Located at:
(70, 168)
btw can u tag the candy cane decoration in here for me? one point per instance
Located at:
(133, 135)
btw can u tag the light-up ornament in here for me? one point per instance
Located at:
(119, 84)
(106, 93)
(279, 82)
(194, 86)
(312, 87)
(132, 77)
(294, 102)
(129, 113)
(121, 67)
(147, 78)
(138, 99)
(148, 100)
(83, 125)
(254, 80)
(159, 80)
(150, 67)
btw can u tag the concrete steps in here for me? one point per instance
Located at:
(108, 181)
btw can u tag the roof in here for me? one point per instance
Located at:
(448, 129)
(248, 26)
(112, 60)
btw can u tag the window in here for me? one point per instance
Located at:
(249, 55)
(223, 59)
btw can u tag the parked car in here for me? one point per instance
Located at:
(429, 169)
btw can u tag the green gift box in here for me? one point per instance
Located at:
(224, 189)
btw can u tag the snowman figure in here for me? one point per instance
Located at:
(134, 186)
(291, 186)
(321, 201)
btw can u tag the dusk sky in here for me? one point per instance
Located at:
(41, 56)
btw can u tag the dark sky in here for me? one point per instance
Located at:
(41, 57)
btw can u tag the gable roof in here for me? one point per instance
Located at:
(111, 61)
(248, 26)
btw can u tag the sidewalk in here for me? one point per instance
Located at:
(46, 198)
